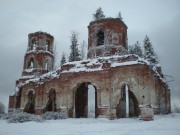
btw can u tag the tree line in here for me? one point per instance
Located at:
(146, 51)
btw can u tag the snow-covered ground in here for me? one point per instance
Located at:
(162, 125)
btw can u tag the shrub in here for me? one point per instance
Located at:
(54, 115)
(176, 108)
(20, 117)
(2, 108)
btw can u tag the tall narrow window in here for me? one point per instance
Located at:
(100, 38)
(47, 45)
(31, 63)
(33, 45)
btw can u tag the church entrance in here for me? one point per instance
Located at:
(86, 101)
(132, 104)
(30, 106)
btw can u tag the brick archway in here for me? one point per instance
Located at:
(30, 105)
(81, 100)
(133, 104)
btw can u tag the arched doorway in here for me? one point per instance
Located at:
(30, 106)
(85, 101)
(133, 104)
(51, 104)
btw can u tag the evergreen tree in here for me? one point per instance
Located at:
(74, 54)
(149, 53)
(119, 16)
(131, 49)
(63, 59)
(136, 49)
(99, 14)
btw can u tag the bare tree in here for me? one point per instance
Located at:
(55, 55)
(83, 51)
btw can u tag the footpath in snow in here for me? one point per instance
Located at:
(162, 125)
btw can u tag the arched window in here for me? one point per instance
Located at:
(47, 45)
(30, 63)
(51, 104)
(33, 45)
(100, 38)
(30, 106)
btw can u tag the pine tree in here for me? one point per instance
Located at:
(131, 49)
(136, 49)
(149, 53)
(99, 14)
(119, 16)
(63, 59)
(74, 55)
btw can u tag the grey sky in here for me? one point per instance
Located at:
(159, 19)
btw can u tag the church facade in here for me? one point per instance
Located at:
(120, 82)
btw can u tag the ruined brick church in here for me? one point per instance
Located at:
(114, 75)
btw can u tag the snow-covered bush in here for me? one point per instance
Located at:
(20, 117)
(2, 108)
(54, 115)
(176, 108)
(2, 116)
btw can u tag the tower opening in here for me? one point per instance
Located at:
(100, 38)
(31, 63)
(30, 105)
(86, 101)
(48, 46)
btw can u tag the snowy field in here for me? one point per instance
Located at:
(162, 125)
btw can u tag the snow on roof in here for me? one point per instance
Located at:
(40, 79)
(38, 51)
(90, 65)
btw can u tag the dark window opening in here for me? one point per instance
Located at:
(124, 40)
(33, 45)
(31, 63)
(30, 106)
(100, 38)
(48, 46)
(51, 104)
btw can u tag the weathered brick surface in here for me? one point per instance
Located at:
(146, 85)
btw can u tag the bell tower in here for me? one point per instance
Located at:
(39, 57)
(107, 36)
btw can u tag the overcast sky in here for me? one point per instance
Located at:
(159, 19)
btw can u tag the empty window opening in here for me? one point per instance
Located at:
(33, 45)
(47, 46)
(51, 104)
(85, 101)
(31, 63)
(100, 38)
(30, 106)
(133, 104)
(124, 39)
